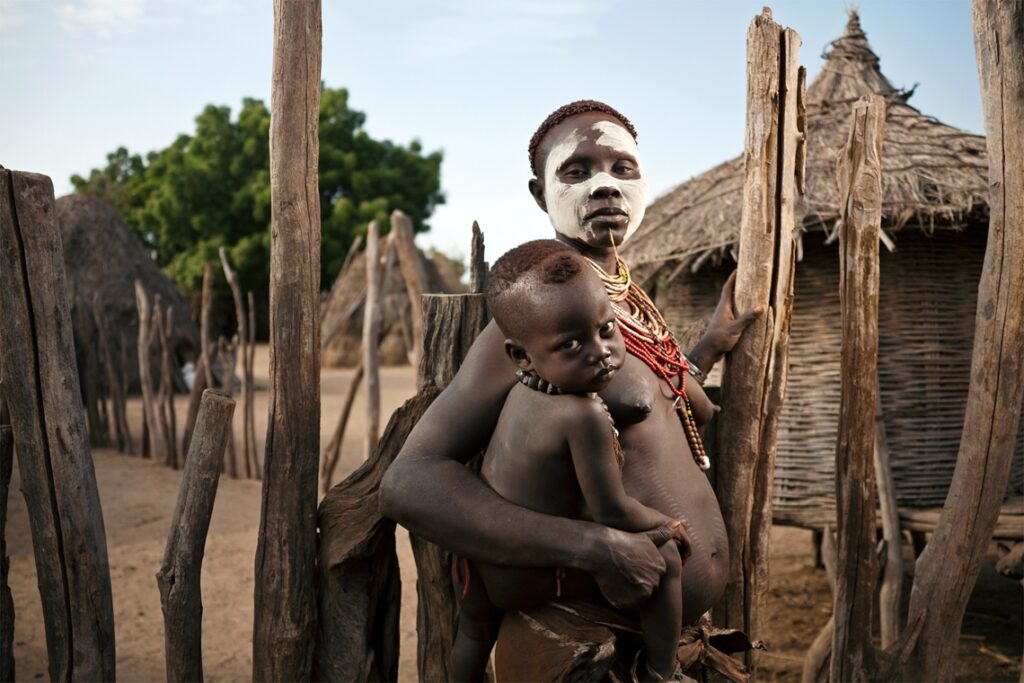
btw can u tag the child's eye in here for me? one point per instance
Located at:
(608, 328)
(571, 345)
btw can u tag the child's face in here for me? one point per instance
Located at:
(573, 341)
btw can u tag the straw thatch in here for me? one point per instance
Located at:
(103, 259)
(935, 223)
(341, 314)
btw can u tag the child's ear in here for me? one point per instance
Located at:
(518, 355)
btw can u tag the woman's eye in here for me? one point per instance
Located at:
(575, 173)
(608, 328)
(623, 168)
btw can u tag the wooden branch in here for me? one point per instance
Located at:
(180, 572)
(285, 609)
(6, 601)
(414, 275)
(41, 390)
(114, 382)
(332, 454)
(477, 265)
(242, 332)
(194, 397)
(227, 352)
(891, 590)
(350, 256)
(205, 340)
(371, 335)
(859, 169)
(149, 408)
(165, 393)
(248, 400)
(949, 567)
(754, 382)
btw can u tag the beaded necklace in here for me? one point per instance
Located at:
(648, 338)
(537, 383)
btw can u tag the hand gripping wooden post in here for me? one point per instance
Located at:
(754, 382)
(41, 390)
(179, 575)
(284, 633)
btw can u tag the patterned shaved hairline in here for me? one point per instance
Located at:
(566, 111)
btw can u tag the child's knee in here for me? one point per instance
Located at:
(673, 562)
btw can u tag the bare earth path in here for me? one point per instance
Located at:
(139, 496)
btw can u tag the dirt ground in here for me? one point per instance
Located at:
(139, 495)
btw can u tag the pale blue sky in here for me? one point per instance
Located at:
(78, 78)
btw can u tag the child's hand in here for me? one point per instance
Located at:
(680, 536)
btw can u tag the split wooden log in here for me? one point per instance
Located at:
(6, 600)
(242, 347)
(332, 454)
(890, 593)
(149, 408)
(371, 335)
(205, 309)
(249, 401)
(414, 275)
(180, 572)
(284, 633)
(859, 169)
(754, 382)
(949, 566)
(477, 265)
(40, 388)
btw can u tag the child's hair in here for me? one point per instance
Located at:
(509, 281)
(564, 112)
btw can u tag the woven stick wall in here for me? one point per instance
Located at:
(926, 325)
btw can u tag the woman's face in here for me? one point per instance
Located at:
(593, 188)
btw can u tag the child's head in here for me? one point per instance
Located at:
(556, 316)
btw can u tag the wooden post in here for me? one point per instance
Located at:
(171, 372)
(114, 383)
(350, 256)
(6, 601)
(165, 392)
(949, 566)
(145, 374)
(477, 265)
(859, 169)
(371, 335)
(242, 346)
(248, 404)
(227, 352)
(816, 659)
(754, 382)
(891, 591)
(413, 273)
(205, 341)
(40, 388)
(179, 575)
(194, 397)
(332, 454)
(285, 610)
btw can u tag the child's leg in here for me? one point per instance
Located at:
(662, 615)
(479, 620)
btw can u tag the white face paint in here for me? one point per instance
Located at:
(567, 203)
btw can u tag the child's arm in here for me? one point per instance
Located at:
(593, 454)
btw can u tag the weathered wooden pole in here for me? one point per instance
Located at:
(205, 308)
(890, 593)
(250, 405)
(477, 265)
(179, 576)
(194, 397)
(6, 600)
(371, 337)
(227, 353)
(754, 383)
(146, 374)
(242, 346)
(40, 388)
(949, 566)
(114, 383)
(285, 610)
(165, 390)
(859, 169)
(413, 273)
(816, 659)
(332, 454)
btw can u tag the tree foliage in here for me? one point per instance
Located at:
(212, 189)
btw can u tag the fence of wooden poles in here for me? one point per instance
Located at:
(328, 607)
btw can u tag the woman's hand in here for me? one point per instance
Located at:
(724, 329)
(630, 567)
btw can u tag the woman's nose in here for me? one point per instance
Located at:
(605, 187)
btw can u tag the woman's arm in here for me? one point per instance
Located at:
(428, 490)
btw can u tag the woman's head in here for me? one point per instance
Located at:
(587, 174)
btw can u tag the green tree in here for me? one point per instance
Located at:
(212, 189)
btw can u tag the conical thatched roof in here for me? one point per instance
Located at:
(934, 175)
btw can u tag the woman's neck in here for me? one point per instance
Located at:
(602, 256)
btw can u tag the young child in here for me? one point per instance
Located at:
(555, 448)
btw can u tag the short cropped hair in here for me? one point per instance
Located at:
(564, 112)
(547, 262)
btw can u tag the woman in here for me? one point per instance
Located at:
(589, 181)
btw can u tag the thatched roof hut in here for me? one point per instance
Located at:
(935, 223)
(341, 314)
(103, 259)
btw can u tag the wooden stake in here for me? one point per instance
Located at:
(371, 334)
(180, 572)
(165, 392)
(114, 383)
(285, 610)
(195, 395)
(6, 601)
(413, 273)
(754, 382)
(242, 345)
(891, 591)
(332, 454)
(950, 564)
(248, 401)
(859, 169)
(153, 433)
(40, 387)
(477, 265)
(226, 354)
(205, 340)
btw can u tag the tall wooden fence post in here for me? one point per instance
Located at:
(371, 339)
(242, 326)
(179, 575)
(41, 390)
(149, 406)
(754, 382)
(285, 597)
(948, 568)
(860, 191)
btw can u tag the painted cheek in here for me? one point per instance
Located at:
(635, 192)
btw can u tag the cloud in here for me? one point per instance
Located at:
(101, 17)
